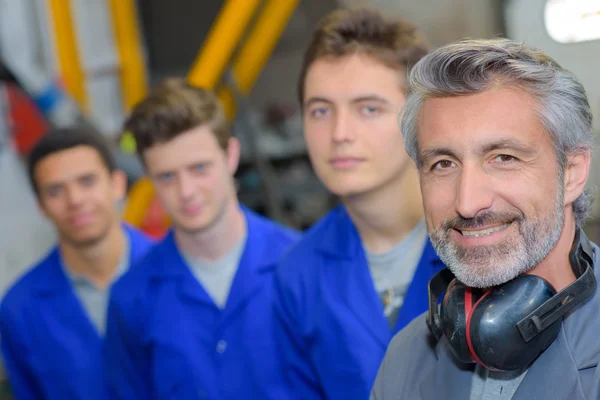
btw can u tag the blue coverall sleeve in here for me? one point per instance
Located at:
(126, 366)
(299, 372)
(22, 383)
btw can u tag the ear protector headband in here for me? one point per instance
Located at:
(507, 327)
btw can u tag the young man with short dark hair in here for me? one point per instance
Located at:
(52, 320)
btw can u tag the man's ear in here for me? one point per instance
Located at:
(576, 174)
(233, 154)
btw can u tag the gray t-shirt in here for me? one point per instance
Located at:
(493, 385)
(217, 276)
(392, 271)
(93, 299)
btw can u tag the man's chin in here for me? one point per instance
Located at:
(481, 278)
(85, 241)
(193, 229)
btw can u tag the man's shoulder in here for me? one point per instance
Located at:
(583, 324)
(140, 241)
(275, 233)
(307, 247)
(141, 272)
(414, 338)
(298, 275)
(409, 361)
(36, 277)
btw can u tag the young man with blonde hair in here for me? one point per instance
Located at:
(194, 319)
(360, 274)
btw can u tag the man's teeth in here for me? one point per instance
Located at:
(484, 231)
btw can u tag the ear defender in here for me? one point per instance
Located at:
(482, 327)
(457, 305)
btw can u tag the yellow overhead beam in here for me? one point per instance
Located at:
(227, 99)
(67, 51)
(257, 49)
(261, 41)
(132, 66)
(221, 42)
(138, 201)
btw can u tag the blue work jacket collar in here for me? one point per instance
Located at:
(52, 279)
(341, 239)
(256, 251)
(256, 262)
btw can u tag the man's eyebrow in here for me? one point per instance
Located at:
(357, 99)
(78, 177)
(500, 144)
(313, 100)
(371, 97)
(507, 143)
(428, 154)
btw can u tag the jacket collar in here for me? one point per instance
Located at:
(555, 366)
(51, 277)
(167, 260)
(340, 237)
(256, 260)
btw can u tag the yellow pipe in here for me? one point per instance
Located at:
(227, 99)
(138, 201)
(133, 70)
(67, 51)
(261, 41)
(221, 42)
(257, 49)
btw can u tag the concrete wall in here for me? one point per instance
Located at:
(443, 20)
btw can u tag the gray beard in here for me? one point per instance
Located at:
(492, 265)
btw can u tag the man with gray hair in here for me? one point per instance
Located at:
(501, 135)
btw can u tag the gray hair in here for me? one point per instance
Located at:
(472, 66)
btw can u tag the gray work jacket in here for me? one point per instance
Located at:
(415, 367)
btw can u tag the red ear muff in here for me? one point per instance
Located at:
(456, 309)
(470, 307)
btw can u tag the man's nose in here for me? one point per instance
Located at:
(474, 193)
(185, 186)
(343, 128)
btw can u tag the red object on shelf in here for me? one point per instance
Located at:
(156, 222)
(27, 123)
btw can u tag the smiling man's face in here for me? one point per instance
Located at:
(491, 184)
